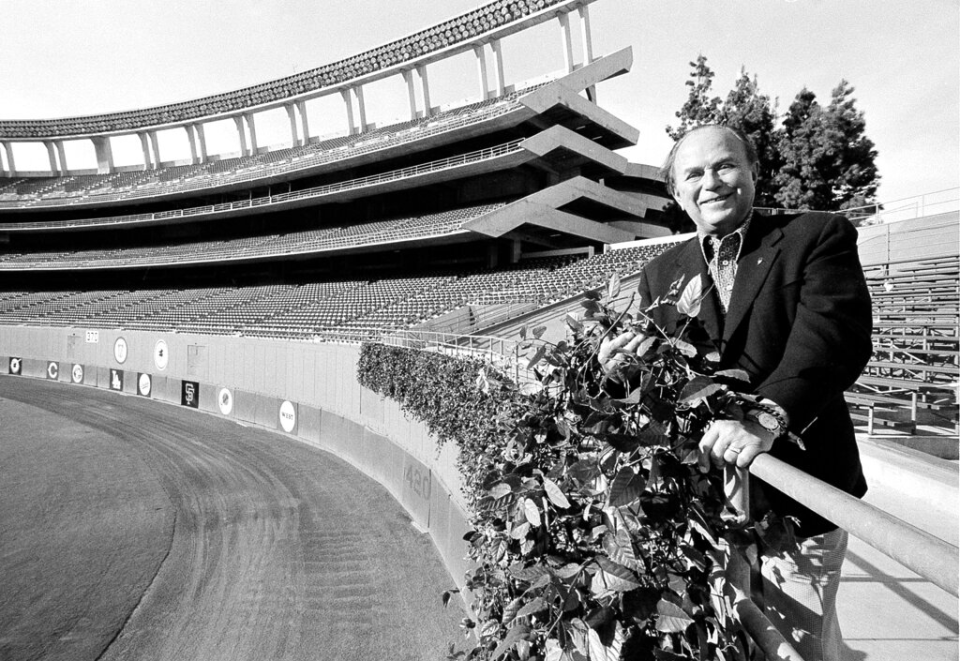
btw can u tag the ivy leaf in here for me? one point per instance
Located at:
(555, 494)
(619, 548)
(652, 439)
(689, 302)
(626, 488)
(539, 331)
(685, 348)
(613, 576)
(622, 442)
(613, 286)
(699, 388)
(520, 532)
(514, 636)
(500, 490)
(523, 332)
(538, 356)
(532, 512)
(671, 618)
(739, 375)
(511, 610)
(528, 574)
(538, 605)
(574, 323)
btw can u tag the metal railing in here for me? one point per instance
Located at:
(928, 556)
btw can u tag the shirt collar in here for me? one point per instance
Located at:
(709, 244)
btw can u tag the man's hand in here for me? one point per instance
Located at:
(733, 442)
(612, 350)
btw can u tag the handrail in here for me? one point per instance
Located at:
(930, 557)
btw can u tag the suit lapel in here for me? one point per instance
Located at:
(752, 269)
(689, 264)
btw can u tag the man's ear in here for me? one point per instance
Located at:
(755, 173)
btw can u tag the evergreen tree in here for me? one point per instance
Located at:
(700, 107)
(827, 161)
(751, 112)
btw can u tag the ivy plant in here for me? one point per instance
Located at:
(595, 535)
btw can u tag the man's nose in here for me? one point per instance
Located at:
(711, 179)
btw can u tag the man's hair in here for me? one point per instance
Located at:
(666, 171)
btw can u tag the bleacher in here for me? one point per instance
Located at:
(913, 378)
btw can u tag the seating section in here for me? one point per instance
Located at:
(273, 245)
(457, 30)
(334, 310)
(60, 191)
(914, 374)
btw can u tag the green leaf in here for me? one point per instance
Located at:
(622, 442)
(689, 302)
(671, 618)
(614, 576)
(685, 348)
(739, 375)
(555, 494)
(538, 605)
(520, 531)
(626, 488)
(514, 636)
(574, 323)
(523, 332)
(619, 548)
(539, 331)
(698, 388)
(532, 512)
(538, 356)
(500, 490)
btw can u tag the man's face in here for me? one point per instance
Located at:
(715, 184)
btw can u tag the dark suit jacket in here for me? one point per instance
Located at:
(799, 322)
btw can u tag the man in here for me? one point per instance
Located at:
(788, 303)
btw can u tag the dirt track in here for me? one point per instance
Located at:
(135, 530)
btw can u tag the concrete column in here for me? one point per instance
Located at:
(144, 145)
(304, 121)
(3, 167)
(193, 143)
(482, 71)
(101, 145)
(566, 41)
(64, 168)
(241, 134)
(498, 67)
(292, 117)
(411, 92)
(424, 90)
(252, 128)
(586, 36)
(52, 157)
(155, 143)
(361, 106)
(201, 142)
(348, 101)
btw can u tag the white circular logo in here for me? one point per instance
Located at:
(161, 355)
(225, 401)
(14, 365)
(77, 374)
(288, 416)
(145, 385)
(53, 370)
(120, 350)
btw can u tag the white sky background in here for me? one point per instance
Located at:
(64, 58)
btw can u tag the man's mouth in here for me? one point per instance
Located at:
(718, 198)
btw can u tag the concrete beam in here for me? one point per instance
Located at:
(482, 71)
(101, 145)
(51, 157)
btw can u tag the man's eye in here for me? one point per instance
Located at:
(693, 175)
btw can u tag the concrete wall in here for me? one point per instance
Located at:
(308, 391)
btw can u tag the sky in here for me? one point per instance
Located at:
(81, 57)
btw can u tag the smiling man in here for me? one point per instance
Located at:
(787, 302)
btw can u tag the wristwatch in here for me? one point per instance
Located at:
(767, 420)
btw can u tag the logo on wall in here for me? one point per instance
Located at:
(144, 385)
(225, 401)
(93, 337)
(53, 370)
(16, 366)
(120, 350)
(161, 355)
(76, 374)
(190, 394)
(288, 416)
(116, 380)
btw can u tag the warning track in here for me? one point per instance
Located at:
(136, 530)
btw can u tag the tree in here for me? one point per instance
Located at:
(700, 107)
(827, 161)
(818, 158)
(751, 112)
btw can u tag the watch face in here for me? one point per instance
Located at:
(767, 421)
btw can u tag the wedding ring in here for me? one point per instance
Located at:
(735, 450)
